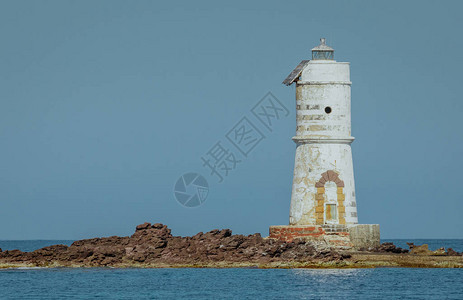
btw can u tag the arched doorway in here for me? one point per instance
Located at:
(330, 209)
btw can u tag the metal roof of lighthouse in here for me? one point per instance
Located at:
(295, 73)
(320, 49)
(323, 46)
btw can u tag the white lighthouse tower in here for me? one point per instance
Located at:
(323, 184)
(323, 193)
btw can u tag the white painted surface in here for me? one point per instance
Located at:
(323, 139)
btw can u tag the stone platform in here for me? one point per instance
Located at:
(344, 236)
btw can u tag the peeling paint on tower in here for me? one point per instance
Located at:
(323, 192)
(323, 138)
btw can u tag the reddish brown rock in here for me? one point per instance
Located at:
(424, 250)
(145, 225)
(390, 247)
(451, 252)
(157, 226)
(155, 245)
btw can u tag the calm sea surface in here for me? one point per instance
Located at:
(107, 283)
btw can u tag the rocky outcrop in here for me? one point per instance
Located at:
(451, 252)
(416, 250)
(390, 247)
(424, 250)
(154, 245)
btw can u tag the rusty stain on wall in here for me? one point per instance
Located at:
(323, 143)
(323, 206)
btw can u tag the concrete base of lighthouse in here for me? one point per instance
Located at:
(360, 236)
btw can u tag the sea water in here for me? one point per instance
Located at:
(381, 283)
(132, 283)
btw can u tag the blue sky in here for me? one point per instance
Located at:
(104, 104)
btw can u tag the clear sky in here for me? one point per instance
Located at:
(105, 104)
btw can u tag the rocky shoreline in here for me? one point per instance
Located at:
(153, 246)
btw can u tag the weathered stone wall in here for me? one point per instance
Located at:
(288, 233)
(323, 154)
(336, 236)
(362, 236)
(365, 235)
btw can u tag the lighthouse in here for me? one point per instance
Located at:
(323, 202)
(323, 184)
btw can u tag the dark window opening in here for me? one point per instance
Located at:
(328, 109)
